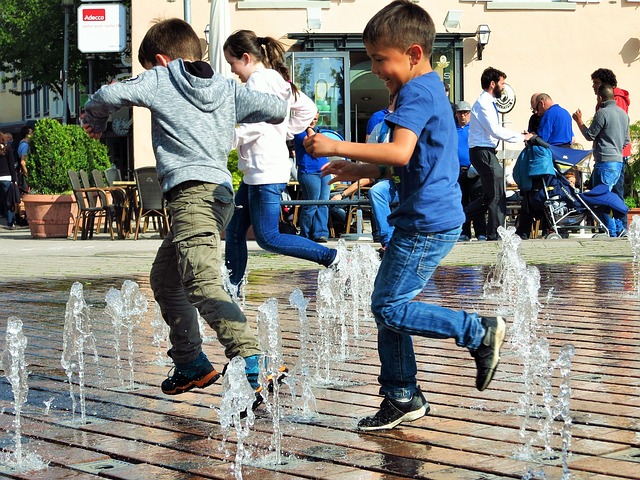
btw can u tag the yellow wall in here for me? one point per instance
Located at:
(552, 51)
(10, 107)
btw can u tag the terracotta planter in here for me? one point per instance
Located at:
(50, 216)
(631, 213)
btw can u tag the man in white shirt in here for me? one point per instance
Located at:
(485, 132)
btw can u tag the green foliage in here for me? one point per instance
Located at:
(55, 149)
(32, 47)
(236, 174)
(632, 172)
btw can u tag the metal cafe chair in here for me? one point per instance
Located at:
(88, 211)
(151, 203)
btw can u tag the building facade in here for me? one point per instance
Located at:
(543, 45)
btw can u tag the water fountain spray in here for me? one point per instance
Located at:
(160, 337)
(271, 345)
(15, 369)
(343, 301)
(236, 413)
(516, 286)
(126, 308)
(307, 399)
(77, 338)
(634, 239)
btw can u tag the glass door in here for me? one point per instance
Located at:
(321, 75)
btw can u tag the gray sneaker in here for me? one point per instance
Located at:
(392, 413)
(487, 355)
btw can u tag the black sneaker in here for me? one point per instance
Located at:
(392, 413)
(187, 376)
(487, 355)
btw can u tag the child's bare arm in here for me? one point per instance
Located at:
(396, 153)
(345, 171)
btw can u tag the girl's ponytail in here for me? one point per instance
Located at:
(267, 50)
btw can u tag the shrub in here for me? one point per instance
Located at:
(55, 149)
(233, 168)
(632, 173)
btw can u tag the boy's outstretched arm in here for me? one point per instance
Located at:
(138, 91)
(396, 153)
(253, 106)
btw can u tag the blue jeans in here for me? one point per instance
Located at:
(406, 267)
(381, 196)
(314, 219)
(259, 206)
(608, 173)
(5, 186)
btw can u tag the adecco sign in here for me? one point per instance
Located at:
(102, 28)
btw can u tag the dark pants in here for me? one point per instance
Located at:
(468, 187)
(493, 200)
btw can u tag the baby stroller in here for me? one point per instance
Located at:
(565, 208)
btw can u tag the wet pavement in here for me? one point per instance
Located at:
(588, 298)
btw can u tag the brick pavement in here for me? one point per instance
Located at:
(24, 257)
(468, 434)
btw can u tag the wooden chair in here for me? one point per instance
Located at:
(88, 210)
(150, 201)
(352, 214)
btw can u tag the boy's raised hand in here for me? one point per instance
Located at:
(88, 128)
(319, 145)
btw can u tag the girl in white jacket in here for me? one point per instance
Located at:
(263, 156)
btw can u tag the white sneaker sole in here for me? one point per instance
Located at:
(498, 340)
(407, 417)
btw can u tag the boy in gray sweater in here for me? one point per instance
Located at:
(193, 115)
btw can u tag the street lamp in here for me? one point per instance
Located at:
(483, 32)
(67, 5)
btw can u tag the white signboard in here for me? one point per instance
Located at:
(102, 28)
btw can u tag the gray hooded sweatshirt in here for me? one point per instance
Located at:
(193, 116)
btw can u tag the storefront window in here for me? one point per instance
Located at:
(322, 77)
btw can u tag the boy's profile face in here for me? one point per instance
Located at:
(391, 65)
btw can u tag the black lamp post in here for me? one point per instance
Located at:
(67, 5)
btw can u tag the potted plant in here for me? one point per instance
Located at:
(54, 150)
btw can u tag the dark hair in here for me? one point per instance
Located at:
(605, 76)
(605, 92)
(399, 25)
(174, 38)
(489, 75)
(267, 50)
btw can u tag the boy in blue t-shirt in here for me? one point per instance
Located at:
(422, 155)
